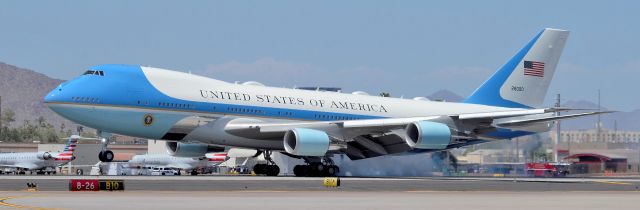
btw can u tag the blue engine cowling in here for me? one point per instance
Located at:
(428, 135)
(306, 142)
(178, 149)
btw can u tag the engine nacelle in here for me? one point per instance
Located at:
(178, 149)
(428, 135)
(44, 156)
(306, 142)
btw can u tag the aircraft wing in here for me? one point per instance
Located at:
(352, 128)
(376, 137)
(181, 166)
(25, 165)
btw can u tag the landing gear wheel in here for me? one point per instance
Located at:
(260, 169)
(105, 156)
(315, 170)
(272, 170)
(194, 173)
(331, 171)
(108, 156)
(268, 169)
(300, 170)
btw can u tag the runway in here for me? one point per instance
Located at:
(261, 183)
(311, 200)
(258, 192)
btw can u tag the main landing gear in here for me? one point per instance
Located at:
(269, 169)
(316, 168)
(105, 154)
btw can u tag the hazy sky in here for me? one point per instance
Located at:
(408, 48)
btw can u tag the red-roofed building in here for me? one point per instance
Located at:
(597, 163)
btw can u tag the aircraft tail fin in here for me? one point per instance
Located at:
(524, 80)
(70, 147)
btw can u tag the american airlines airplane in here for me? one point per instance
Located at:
(197, 114)
(181, 163)
(41, 162)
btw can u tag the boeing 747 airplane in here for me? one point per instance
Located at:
(197, 115)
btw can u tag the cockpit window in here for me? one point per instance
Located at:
(91, 72)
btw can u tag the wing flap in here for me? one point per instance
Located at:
(521, 122)
(512, 113)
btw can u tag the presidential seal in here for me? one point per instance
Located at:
(147, 120)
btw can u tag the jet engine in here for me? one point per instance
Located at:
(306, 142)
(178, 149)
(428, 135)
(44, 156)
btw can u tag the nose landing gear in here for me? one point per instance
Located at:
(105, 154)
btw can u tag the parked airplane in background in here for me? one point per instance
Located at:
(190, 164)
(40, 162)
(197, 115)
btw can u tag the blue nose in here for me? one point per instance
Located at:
(54, 95)
(49, 97)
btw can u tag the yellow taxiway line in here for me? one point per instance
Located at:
(611, 182)
(4, 203)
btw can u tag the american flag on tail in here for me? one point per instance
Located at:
(534, 68)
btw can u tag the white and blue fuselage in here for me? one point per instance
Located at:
(118, 98)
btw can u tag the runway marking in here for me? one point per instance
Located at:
(4, 203)
(611, 182)
(420, 191)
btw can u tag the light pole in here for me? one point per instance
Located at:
(598, 125)
(555, 143)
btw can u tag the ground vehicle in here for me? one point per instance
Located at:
(547, 169)
(163, 171)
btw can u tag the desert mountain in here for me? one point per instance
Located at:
(22, 91)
